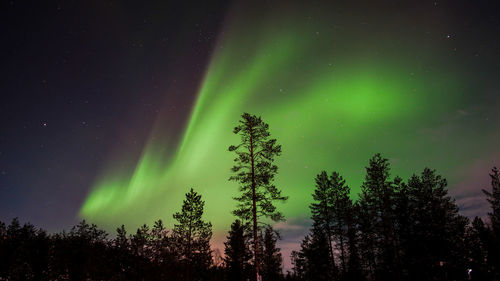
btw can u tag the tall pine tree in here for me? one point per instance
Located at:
(378, 196)
(255, 170)
(322, 210)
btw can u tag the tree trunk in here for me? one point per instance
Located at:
(254, 213)
(390, 234)
(188, 265)
(342, 250)
(330, 247)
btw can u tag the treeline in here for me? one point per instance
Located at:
(396, 230)
(87, 253)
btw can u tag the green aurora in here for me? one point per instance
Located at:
(332, 99)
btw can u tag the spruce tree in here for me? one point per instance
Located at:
(193, 237)
(255, 170)
(342, 210)
(436, 244)
(312, 261)
(322, 210)
(378, 196)
(476, 240)
(354, 269)
(271, 256)
(493, 198)
(237, 253)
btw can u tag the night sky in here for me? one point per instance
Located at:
(111, 111)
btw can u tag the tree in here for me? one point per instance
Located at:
(378, 197)
(254, 171)
(342, 210)
(354, 270)
(271, 256)
(237, 253)
(493, 198)
(312, 261)
(322, 211)
(476, 239)
(193, 237)
(435, 243)
(122, 257)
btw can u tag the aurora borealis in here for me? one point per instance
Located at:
(336, 82)
(330, 108)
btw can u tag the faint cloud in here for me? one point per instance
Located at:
(468, 191)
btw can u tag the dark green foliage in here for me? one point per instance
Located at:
(192, 236)
(237, 253)
(255, 170)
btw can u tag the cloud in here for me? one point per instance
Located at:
(468, 191)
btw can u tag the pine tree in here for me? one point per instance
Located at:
(312, 261)
(378, 195)
(322, 211)
(121, 241)
(354, 269)
(122, 258)
(476, 240)
(436, 244)
(254, 171)
(341, 214)
(368, 238)
(237, 253)
(193, 237)
(271, 256)
(493, 198)
(140, 241)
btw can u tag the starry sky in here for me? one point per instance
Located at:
(111, 111)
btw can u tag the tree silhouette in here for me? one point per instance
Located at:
(377, 197)
(434, 244)
(476, 239)
(271, 256)
(193, 235)
(322, 211)
(493, 198)
(312, 261)
(237, 253)
(354, 270)
(254, 171)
